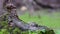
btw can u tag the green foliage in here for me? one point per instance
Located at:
(50, 21)
(35, 32)
(25, 32)
(16, 31)
(4, 31)
(9, 30)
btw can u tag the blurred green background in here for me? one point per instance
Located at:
(45, 18)
(42, 17)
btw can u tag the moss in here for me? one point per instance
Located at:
(10, 30)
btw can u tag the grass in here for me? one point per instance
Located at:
(51, 20)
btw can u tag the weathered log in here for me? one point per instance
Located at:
(13, 20)
(49, 3)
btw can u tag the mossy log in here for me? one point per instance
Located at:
(13, 21)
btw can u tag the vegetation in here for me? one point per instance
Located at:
(51, 20)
